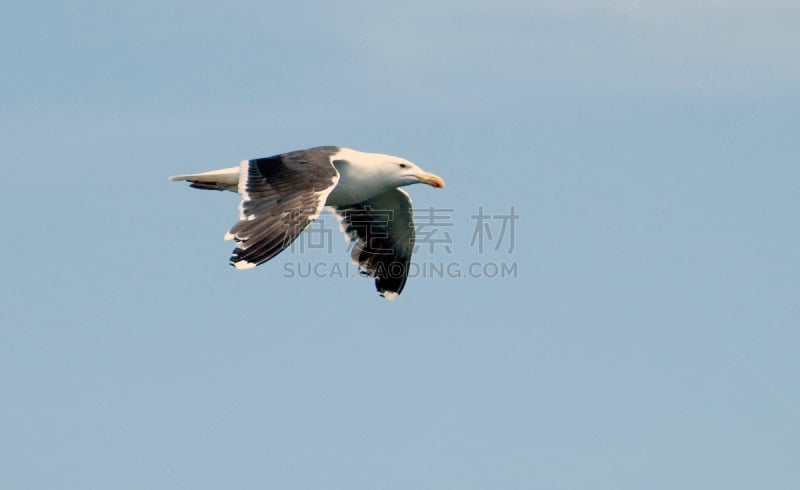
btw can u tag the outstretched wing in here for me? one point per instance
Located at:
(281, 196)
(382, 228)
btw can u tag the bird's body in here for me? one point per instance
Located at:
(283, 194)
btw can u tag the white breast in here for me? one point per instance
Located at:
(359, 179)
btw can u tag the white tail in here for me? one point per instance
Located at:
(226, 179)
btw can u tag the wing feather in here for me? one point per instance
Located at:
(281, 196)
(382, 231)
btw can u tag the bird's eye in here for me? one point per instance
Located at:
(403, 165)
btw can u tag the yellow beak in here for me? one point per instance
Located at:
(431, 179)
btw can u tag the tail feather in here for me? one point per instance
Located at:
(211, 186)
(226, 179)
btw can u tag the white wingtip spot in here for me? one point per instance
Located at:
(243, 265)
(228, 236)
(390, 295)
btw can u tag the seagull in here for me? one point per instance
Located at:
(283, 194)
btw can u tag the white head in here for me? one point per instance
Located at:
(394, 170)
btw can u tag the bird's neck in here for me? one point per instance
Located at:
(357, 183)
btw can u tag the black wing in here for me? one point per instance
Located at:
(382, 228)
(281, 196)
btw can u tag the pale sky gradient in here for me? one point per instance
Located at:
(649, 341)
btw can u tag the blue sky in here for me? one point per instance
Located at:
(645, 342)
